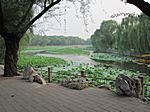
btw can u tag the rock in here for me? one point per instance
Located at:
(128, 86)
(31, 78)
(31, 75)
(77, 84)
(2, 67)
(138, 88)
(108, 87)
(28, 71)
(39, 80)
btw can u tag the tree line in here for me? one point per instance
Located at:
(38, 40)
(131, 36)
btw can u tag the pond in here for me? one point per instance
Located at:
(78, 59)
(128, 66)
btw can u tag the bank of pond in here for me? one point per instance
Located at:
(106, 70)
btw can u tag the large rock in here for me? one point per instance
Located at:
(31, 75)
(28, 73)
(39, 80)
(128, 86)
(2, 67)
(77, 84)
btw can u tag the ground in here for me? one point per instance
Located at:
(17, 95)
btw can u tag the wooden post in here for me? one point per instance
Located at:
(83, 74)
(142, 83)
(49, 74)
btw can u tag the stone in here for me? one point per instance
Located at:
(77, 84)
(32, 76)
(108, 87)
(138, 89)
(128, 86)
(39, 80)
(28, 71)
(2, 67)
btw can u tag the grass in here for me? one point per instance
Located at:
(38, 61)
(76, 50)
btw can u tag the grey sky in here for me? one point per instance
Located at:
(69, 24)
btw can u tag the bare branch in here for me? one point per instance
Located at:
(40, 15)
(45, 3)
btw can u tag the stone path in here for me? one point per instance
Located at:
(17, 95)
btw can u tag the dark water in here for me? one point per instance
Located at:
(135, 67)
(128, 66)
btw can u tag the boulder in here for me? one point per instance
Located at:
(39, 80)
(28, 72)
(2, 67)
(128, 86)
(77, 84)
(32, 76)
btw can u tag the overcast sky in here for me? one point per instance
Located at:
(70, 25)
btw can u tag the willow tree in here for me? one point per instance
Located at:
(15, 20)
(16, 17)
(104, 38)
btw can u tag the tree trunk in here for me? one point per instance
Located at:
(11, 55)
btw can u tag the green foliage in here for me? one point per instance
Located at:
(131, 36)
(37, 40)
(17, 14)
(79, 50)
(25, 41)
(103, 38)
(111, 57)
(96, 76)
(37, 61)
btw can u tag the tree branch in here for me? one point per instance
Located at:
(38, 16)
(43, 12)
(142, 5)
(45, 3)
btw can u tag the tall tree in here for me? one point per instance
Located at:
(104, 38)
(15, 20)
